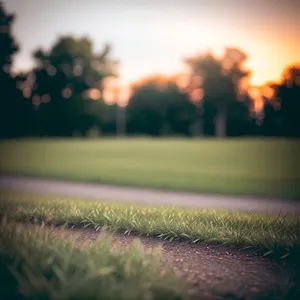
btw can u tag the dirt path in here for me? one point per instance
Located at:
(222, 269)
(147, 196)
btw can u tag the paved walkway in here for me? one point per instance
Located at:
(147, 196)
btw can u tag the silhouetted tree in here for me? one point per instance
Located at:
(288, 94)
(239, 120)
(15, 111)
(270, 117)
(157, 107)
(61, 82)
(219, 81)
(282, 107)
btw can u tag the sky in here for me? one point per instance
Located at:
(155, 36)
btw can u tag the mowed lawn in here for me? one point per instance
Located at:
(268, 167)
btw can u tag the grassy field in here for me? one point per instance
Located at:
(267, 167)
(277, 235)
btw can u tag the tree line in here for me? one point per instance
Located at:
(65, 94)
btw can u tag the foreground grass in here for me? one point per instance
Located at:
(35, 265)
(266, 167)
(277, 235)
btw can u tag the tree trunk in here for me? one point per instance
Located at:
(196, 129)
(121, 120)
(221, 124)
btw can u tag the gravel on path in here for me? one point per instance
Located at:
(212, 269)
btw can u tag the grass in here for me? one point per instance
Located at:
(276, 235)
(268, 167)
(35, 265)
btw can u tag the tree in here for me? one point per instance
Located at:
(14, 109)
(270, 115)
(282, 104)
(157, 107)
(288, 94)
(240, 122)
(219, 81)
(61, 82)
(8, 44)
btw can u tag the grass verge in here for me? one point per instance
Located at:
(277, 235)
(42, 267)
(35, 265)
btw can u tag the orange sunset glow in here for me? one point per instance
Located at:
(268, 31)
